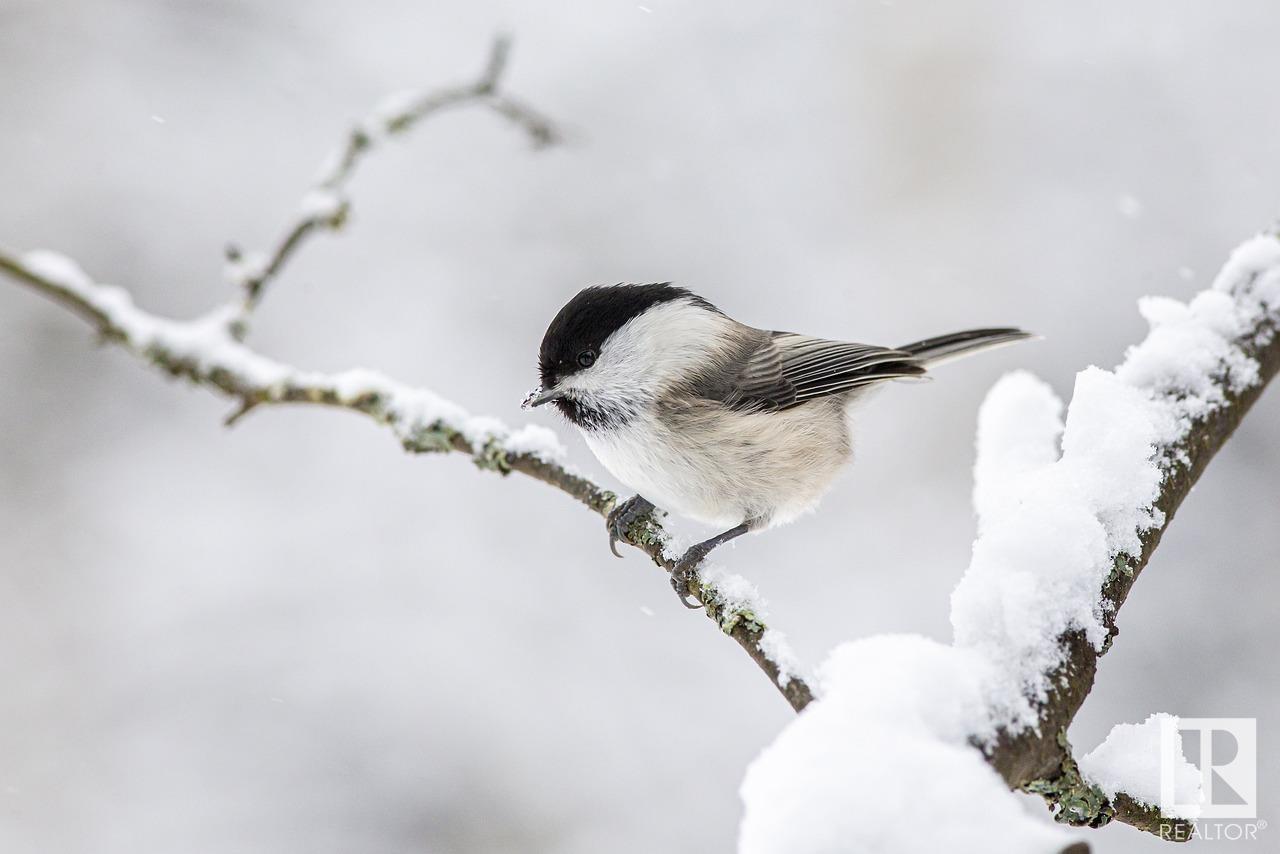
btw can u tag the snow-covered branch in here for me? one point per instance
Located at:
(210, 351)
(1069, 515)
(1135, 442)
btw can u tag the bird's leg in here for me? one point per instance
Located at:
(622, 517)
(682, 573)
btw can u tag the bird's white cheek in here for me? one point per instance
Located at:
(595, 382)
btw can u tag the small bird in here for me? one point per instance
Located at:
(712, 419)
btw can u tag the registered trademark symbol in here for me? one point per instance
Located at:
(1262, 824)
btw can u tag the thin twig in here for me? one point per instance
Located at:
(325, 207)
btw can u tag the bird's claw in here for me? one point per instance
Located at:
(622, 518)
(684, 572)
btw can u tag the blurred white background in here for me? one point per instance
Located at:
(291, 637)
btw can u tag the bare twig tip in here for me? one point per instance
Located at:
(498, 55)
(246, 406)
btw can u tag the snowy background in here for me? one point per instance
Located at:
(290, 637)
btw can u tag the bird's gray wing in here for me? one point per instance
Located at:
(786, 370)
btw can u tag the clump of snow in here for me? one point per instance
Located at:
(57, 268)
(205, 342)
(534, 394)
(356, 383)
(1194, 351)
(1252, 274)
(882, 763)
(535, 441)
(774, 645)
(734, 592)
(1130, 761)
(481, 429)
(1019, 428)
(417, 409)
(321, 205)
(1191, 349)
(1109, 447)
(1050, 529)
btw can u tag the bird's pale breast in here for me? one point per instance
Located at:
(723, 467)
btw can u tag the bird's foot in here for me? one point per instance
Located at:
(686, 568)
(621, 519)
(684, 572)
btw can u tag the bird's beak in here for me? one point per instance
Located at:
(537, 397)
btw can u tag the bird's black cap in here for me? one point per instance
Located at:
(595, 313)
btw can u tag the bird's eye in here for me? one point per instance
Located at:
(586, 358)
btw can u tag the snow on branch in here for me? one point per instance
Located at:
(1069, 514)
(1135, 442)
(209, 351)
(1127, 764)
(206, 352)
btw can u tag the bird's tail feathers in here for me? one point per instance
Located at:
(934, 351)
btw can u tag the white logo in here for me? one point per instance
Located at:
(1226, 752)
